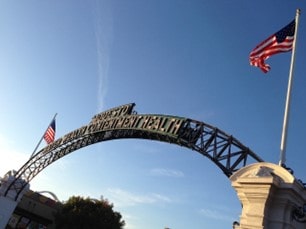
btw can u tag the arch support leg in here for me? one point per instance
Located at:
(9, 200)
(270, 196)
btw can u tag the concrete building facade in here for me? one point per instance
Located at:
(34, 211)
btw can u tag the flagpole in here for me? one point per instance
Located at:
(287, 106)
(43, 136)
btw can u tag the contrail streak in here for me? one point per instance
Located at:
(103, 25)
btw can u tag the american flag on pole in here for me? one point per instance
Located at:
(49, 135)
(282, 41)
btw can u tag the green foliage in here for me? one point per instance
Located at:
(83, 213)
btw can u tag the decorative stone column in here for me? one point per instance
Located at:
(9, 201)
(271, 197)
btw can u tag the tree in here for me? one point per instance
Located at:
(83, 213)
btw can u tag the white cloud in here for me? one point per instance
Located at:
(125, 198)
(129, 219)
(11, 158)
(161, 198)
(216, 214)
(166, 172)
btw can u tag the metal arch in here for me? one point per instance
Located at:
(224, 150)
(51, 194)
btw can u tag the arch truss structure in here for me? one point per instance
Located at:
(123, 122)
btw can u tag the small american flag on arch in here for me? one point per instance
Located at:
(49, 135)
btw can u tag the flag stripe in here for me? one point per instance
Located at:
(282, 41)
(286, 46)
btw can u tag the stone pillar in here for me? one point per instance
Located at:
(270, 196)
(9, 201)
(7, 207)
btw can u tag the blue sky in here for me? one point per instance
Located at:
(185, 58)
